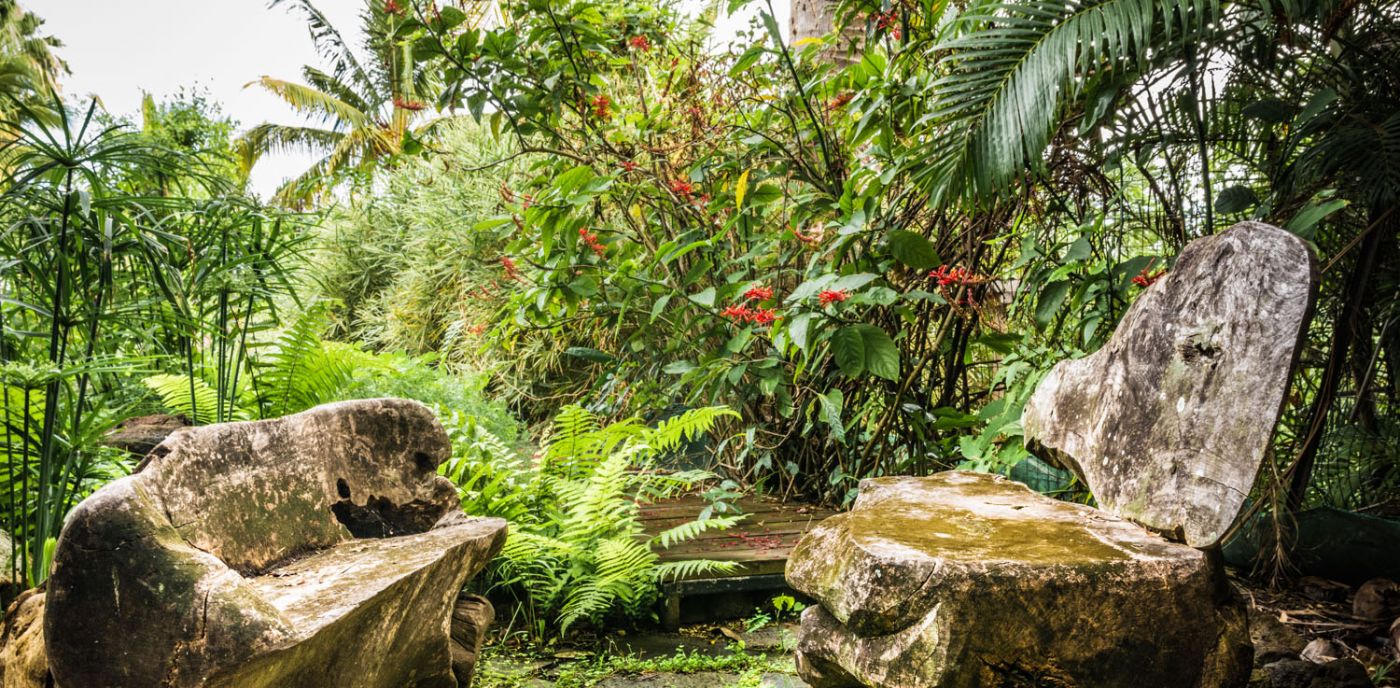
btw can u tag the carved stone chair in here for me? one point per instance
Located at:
(964, 579)
(319, 549)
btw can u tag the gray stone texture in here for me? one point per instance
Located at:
(317, 549)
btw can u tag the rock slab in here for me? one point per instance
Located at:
(317, 549)
(1168, 423)
(967, 579)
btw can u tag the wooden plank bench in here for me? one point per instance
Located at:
(761, 543)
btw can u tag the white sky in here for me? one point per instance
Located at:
(117, 49)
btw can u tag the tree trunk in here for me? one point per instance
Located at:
(816, 18)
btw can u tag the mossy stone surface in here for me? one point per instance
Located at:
(225, 561)
(967, 579)
(1169, 422)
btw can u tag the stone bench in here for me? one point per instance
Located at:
(962, 579)
(319, 549)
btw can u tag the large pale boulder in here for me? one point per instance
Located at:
(23, 662)
(968, 579)
(317, 549)
(1168, 423)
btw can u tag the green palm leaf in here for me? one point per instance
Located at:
(1010, 67)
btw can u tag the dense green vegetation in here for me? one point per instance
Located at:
(562, 231)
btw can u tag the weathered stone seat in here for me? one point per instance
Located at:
(960, 579)
(320, 549)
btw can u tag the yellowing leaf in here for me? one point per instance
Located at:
(801, 43)
(740, 189)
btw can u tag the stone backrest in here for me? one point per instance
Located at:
(256, 494)
(1168, 424)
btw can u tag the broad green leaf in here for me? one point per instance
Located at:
(913, 250)
(705, 298)
(831, 406)
(852, 282)
(1079, 250)
(589, 354)
(797, 329)
(1051, 298)
(848, 346)
(881, 354)
(1235, 199)
(1304, 224)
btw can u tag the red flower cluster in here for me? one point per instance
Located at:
(639, 42)
(759, 293)
(1145, 278)
(592, 240)
(840, 101)
(681, 188)
(629, 166)
(602, 108)
(410, 105)
(828, 297)
(742, 313)
(392, 7)
(953, 277)
(511, 272)
(889, 22)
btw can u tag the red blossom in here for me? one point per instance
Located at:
(840, 101)
(592, 240)
(477, 329)
(741, 313)
(511, 272)
(828, 296)
(682, 188)
(639, 42)
(392, 7)
(737, 312)
(629, 166)
(410, 105)
(759, 293)
(1146, 278)
(948, 276)
(602, 108)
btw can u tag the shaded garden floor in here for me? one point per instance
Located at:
(698, 656)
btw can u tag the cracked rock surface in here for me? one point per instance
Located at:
(1168, 423)
(317, 549)
(969, 579)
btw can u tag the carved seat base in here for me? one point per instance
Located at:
(967, 579)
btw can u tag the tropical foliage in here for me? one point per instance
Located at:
(366, 110)
(578, 549)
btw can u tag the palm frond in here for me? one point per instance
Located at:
(1005, 76)
(310, 101)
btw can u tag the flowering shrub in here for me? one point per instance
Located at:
(745, 229)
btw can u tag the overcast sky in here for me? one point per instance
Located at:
(119, 48)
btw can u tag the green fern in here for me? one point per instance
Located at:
(191, 397)
(303, 371)
(693, 529)
(581, 551)
(300, 371)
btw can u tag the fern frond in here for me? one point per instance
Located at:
(690, 568)
(687, 427)
(693, 529)
(191, 397)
